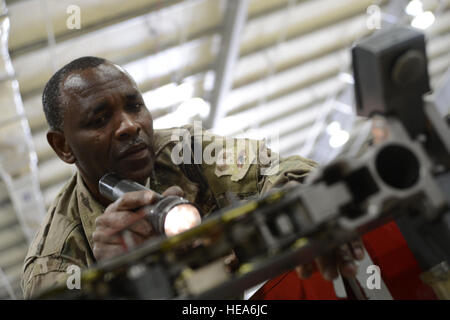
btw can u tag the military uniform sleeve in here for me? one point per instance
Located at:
(50, 268)
(279, 171)
(44, 273)
(244, 167)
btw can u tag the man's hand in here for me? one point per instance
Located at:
(342, 259)
(119, 216)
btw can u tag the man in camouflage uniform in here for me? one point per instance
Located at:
(98, 121)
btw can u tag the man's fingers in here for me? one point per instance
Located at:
(142, 228)
(327, 266)
(137, 199)
(345, 260)
(134, 200)
(107, 251)
(118, 220)
(105, 236)
(342, 259)
(173, 191)
(357, 248)
(109, 236)
(305, 271)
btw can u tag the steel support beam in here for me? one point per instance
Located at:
(18, 161)
(234, 22)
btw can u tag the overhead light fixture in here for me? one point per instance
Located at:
(168, 95)
(424, 20)
(185, 112)
(414, 8)
(346, 78)
(338, 137)
(193, 107)
(333, 128)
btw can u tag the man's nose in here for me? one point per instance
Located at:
(128, 128)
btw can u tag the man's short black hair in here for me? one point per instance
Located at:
(51, 95)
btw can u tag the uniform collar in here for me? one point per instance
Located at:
(89, 209)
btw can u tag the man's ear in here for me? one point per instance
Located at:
(57, 141)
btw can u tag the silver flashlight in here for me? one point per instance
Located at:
(170, 215)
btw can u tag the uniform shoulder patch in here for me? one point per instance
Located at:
(235, 158)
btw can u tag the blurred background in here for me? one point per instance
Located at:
(267, 69)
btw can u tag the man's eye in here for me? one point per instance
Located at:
(136, 106)
(99, 121)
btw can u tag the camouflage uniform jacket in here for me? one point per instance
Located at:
(65, 236)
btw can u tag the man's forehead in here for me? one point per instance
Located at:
(80, 82)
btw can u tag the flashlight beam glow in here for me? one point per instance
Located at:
(181, 218)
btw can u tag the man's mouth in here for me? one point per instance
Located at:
(134, 152)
